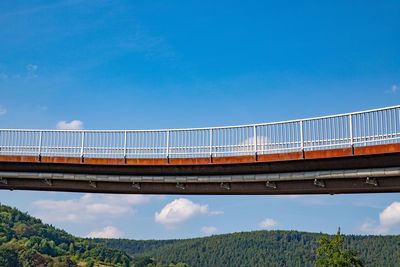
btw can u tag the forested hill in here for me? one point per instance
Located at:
(259, 248)
(26, 241)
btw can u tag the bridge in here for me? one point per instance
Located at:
(348, 153)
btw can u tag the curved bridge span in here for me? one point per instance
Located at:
(347, 153)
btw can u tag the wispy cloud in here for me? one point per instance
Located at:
(88, 208)
(31, 70)
(395, 88)
(181, 210)
(389, 220)
(3, 110)
(209, 230)
(268, 224)
(42, 107)
(72, 125)
(106, 232)
(133, 37)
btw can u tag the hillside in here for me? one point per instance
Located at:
(26, 241)
(259, 248)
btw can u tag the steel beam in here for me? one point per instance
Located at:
(334, 186)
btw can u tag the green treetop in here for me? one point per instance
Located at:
(332, 253)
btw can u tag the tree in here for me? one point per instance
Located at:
(143, 261)
(331, 253)
(8, 257)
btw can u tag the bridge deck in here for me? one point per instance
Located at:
(345, 153)
(223, 175)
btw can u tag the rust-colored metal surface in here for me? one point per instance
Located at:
(19, 159)
(64, 160)
(233, 160)
(378, 149)
(280, 157)
(189, 161)
(331, 153)
(146, 162)
(293, 156)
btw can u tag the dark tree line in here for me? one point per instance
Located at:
(263, 248)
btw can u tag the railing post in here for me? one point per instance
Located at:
(40, 143)
(83, 144)
(125, 133)
(167, 152)
(351, 130)
(211, 141)
(301, 136)
(255, 139)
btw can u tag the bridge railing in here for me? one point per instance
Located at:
(379, 126)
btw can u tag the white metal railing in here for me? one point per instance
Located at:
(372, 127)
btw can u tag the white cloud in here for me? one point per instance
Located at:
(72, 125)
(31, 69)
(3, 110)
(88, 208)
(267, 223)
(106, 232)
(209, 230)
(389, 220)
(390, 216)
(127, 199)
(29, 73)
(395, 88)
(370, 227)
(180, 210)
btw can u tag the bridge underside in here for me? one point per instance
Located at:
(331, 186)
(370, 170)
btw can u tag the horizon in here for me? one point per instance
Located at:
(220, 234)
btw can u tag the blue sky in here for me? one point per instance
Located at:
(158, 64)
